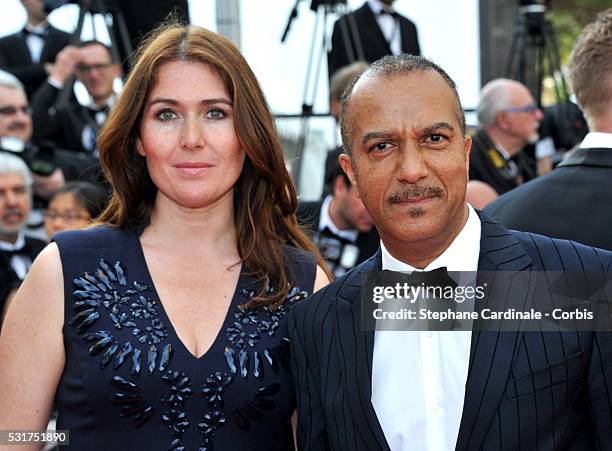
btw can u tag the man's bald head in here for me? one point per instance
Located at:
(391, 67)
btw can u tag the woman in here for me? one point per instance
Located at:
(173, 313)
(74, 206)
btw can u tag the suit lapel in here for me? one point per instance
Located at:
(49, 48)
(491, 352)
(21, 49)
(373, 34)
(357, 347)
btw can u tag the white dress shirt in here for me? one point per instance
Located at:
(418, 378)
(35, 41)
(596, 139)
(389, 26)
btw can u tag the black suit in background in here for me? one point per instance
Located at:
(487, 164)
(65, 125)
(373, 42)
(15, 57)
(8, 277)
(574, 201)
(524, 390)
(309, 214)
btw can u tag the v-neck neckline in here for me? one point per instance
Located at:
(164, 315)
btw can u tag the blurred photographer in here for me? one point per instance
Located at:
(73, 125)
(17, 251)
(50, 167)
(29, 53)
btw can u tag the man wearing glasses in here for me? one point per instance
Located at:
(509, 119)
(51, 167)
(72, 125)
(573, 201)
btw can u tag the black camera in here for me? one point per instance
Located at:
(39, 157)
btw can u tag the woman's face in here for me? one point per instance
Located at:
(188, 138)
(65, 212)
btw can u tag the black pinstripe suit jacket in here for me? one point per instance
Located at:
(524, 391)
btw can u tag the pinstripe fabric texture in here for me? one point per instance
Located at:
(524, 391)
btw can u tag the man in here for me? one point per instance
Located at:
(339, 225)
(29, 53)
(74, 126)
(52, 167)
(404, 131)
(17, 251)
(509, 119)
(370, 32)
(573, 201)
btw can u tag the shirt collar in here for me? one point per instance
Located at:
(461, 255)
(326, 221)
(41, 28)
(503, 151)
(596, 140)
(19, 244)
(110, 102)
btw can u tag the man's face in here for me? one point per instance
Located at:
(353, 213)
(34, 9)
(409, 156)
(522, 117)
(15, 119)
(97, 72)
(14, 204)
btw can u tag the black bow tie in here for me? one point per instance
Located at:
(436, 277)
(42, 35)
(388, 12)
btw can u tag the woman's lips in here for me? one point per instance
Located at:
(193, 168)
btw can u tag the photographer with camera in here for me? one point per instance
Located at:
(29, 53)
(72, 125)
(51, 167)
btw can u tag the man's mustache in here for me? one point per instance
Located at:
(415, 192)
(11, 212)
(17, 126)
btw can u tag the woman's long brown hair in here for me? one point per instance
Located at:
(265, 199)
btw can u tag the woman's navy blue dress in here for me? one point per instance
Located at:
(129, 383)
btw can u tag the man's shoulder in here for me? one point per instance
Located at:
(309, 206)
(58, 37)
(10, 39)
(309, 212)
(553, 254)
(523, 192)
(35, 244)
(359, 13)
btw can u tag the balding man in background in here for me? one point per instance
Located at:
(574, 201)
(509, 119)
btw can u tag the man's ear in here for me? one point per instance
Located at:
(501, 120)
(467, 143)
(347, 166)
